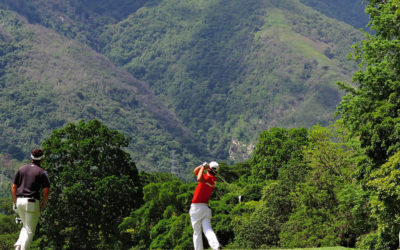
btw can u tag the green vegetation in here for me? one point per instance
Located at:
(84, 20)
(320, 248)
(241, 67)
(94, 185)
(311, 185)
(351, 12)
(371, 112)
(47, 82)
(225, 70)
(8, 168)
(9, 231)
(313, 200)
(323, 186)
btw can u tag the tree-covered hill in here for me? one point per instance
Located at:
(351, 12)
(227, 69)
(48, 80)
(231, 69)
(80, 19)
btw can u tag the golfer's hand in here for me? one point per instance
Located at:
(205, 165)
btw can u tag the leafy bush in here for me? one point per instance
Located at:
(95, 184)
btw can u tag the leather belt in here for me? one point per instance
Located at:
(25, 196)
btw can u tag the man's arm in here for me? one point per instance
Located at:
(14, 192)
(196, 170)
(199, 171)
(46, 193)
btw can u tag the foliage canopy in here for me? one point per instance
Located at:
(371, 112)
(94, 185)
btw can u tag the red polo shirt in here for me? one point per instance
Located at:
(204, 189)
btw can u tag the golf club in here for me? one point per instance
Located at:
(223, 180)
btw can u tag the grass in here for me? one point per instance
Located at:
(319, 248)
(310, 248)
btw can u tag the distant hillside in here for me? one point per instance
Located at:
(231, 69)
(83, 20)
(227, 69)
(349, 11)
(8, 168)
(48, 80)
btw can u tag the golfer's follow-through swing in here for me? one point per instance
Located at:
(200, 213)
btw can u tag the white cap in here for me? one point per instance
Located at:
(214, 165)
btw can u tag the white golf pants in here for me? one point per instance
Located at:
(29, 212)
(200, 216)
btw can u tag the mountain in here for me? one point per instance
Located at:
(230, 69)
(351, 12)
(83, 20)
(221, 70)
(48, 80)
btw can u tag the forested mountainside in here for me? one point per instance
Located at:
(351, 12)
(227, 70)
(232, 69)
(48, 80)
(80, 19)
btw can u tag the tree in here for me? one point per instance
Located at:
(372, 110)
(261, 224)
(275, 149)
(94, 185)
(279, 159)
(163, 221)
(9, 231)
(329, 206)
(8, 168)
(385, 202)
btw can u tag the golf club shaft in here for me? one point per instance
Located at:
(222, 179)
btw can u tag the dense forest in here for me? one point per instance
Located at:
(330, 184)
(351, 12)
(47, 83)
(184, 79)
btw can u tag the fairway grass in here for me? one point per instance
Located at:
(319, 248)
(310, 248)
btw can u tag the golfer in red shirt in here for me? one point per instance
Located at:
(200, 213)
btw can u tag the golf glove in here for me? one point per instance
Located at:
(205, 164)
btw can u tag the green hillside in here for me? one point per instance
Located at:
(226, 69)
(351, 12)
(48, 80)
(80, 19)
(240, 67)
(8, 168)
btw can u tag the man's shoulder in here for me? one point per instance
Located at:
(31, 166)
(24, 166)
(40, 169)
(210, 177)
